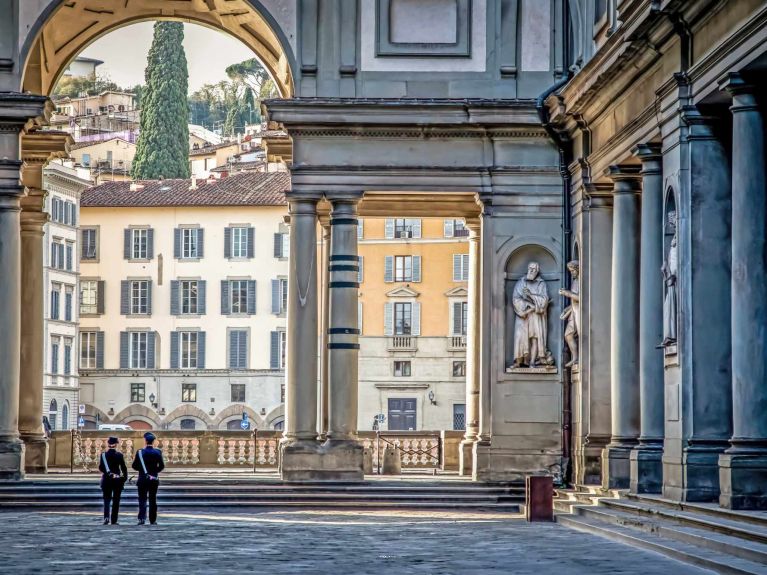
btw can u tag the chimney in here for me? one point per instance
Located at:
(135, 187)
(194, 183)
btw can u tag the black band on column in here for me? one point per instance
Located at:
(343, 346)
(343, 331)
(342, 268)
(344, 221)
(343, 284)
(342, 258)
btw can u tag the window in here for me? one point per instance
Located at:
(70, 251)
(405, 228)
(282, 394)
(139, 297)
(188, 392)
(281, 245)
(57, 256)
(87, 157)
(240, 242)
(65, 417)
(188, 341)
(401, 369)
(459, 416)
(139, 244)
(403, 317)
(138, 349)
(188, 424)
(459, 368)
(283, 348)
(460, 267)
(88, 297)
(238, 393)
(137, 392)
(190, 243)
(283, 296)
(68, 303)
(53, 409)
(402, 414)
(455, 229)
(55, 355)
(238, 349)
(403, 268)
(68, 357)
(460, 315)
(189, 300)
(55, 301)
(239, 296)
(88, 349)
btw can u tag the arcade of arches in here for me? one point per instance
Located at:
(630, 139)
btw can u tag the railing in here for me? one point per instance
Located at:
(456, 342)
(418, 450)
(402, 342)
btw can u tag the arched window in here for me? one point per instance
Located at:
(188, 424)
(65, 416)
(53, 414)
(235, 425)
(278, 423)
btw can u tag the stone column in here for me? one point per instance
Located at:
(32, 345)
(300, 441)
(743, 467)
(646, 458)
(324, 394)
(624, 328)
(472, 351)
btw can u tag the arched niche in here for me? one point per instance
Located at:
(516, 268)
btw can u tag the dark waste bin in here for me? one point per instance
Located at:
(539, 498)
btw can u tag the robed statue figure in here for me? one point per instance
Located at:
(670, 269)
(531, 302)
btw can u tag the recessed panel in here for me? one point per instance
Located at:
(423, 22)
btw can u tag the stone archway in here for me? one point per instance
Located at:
(137, 412)
(189, 411)
(235, 411)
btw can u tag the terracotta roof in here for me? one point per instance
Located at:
(241, 189)
(204, 150)
(78, 145)
(239, 166)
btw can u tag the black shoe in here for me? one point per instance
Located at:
(141, 522)
(106, 520)
(153, 522)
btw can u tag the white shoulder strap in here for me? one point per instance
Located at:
(141, 459)
(106, 465)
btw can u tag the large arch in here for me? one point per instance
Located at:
(138, 412)
(236, 410)
(188, 411)
(64, 29)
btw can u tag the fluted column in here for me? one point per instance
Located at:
(646, 458)
(302, 320)
(324, 394)
(743, 467)
(32, 337)
(624, 327)
(472, 351)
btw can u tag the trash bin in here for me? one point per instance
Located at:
(539, 498)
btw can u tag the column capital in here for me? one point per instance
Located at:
(474, 225)
(21, 112)
(37, 149)
(302, 205)
(626, 178)
(10, 185)
(743, 93)
(32, 206)
(651, 156)
(344, 197)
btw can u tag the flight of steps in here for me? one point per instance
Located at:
(705, 535)
(260, 493)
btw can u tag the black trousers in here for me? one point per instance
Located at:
(112, 491)
(147, 490)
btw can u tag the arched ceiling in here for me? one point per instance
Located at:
(77, 23)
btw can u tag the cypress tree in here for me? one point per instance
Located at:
(163, 143)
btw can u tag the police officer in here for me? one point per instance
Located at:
(113, 476)
(149, 463)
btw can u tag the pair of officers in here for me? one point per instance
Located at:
(148, 462)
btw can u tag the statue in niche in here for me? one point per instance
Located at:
(531, 301)
(670, 269)
(572, 312)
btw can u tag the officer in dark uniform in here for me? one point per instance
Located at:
(114, 473)
(149, 463)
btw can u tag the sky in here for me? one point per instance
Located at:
(208, 53)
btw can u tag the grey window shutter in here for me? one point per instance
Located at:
(416, 330)
(150, 244)
(125, 297)
(149, 297)
(416, 228)
(276, 300)
(174, 350)
(126, 244)
(124, 350)
(99, 350)
(175, 288)
(150, 349)
(465, 267)
(251, 297)
(449, 228)
(456, 267)
(251, 242)
(389, 268)
(242, 351)
(274, 350)
(227, 242)
(457, 317)
(201, 350)
(234, 340)
(69, 257)
(74, 214)
(224, 297)
(201, 297)
(361, 274)
(389, 229)
(416, 268)
(388, 319)
(100, 295)
(278, 245)
(177, 243)
(200, 243)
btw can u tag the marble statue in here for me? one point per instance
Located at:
(531, 301)
(572, 312)
(670, 269)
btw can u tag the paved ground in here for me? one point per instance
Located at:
(337, 543)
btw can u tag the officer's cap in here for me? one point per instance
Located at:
(149, 437)
(113, 441)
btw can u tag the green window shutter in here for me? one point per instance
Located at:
(174, 336)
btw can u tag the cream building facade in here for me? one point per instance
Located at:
(182, 315)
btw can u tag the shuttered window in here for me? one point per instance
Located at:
(460, 267)
(89, 350)
(89, 244)
(238, 349)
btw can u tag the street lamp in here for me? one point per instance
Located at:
(431, 397)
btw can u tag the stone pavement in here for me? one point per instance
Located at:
(313, 542)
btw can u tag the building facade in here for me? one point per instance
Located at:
(64, 185)
(182, 302)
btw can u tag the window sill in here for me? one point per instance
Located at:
(190, 260)
(89, 260)
(138, 260)
(188, 315)
(138, 315)
(238, 315)
(233, 259)
(87, 315)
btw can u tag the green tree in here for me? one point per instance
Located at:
(163, 144)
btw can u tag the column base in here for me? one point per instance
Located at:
(646, 469)
(497, 464)
(743, 480)
(35, 454)
(616, 467)
(11, 460)
(587, 457)
(309, 461)
(466, 457)
(695, 477)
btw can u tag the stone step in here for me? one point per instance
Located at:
(755, 517)
(683, 551)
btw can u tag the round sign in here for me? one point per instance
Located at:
(244, 424)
